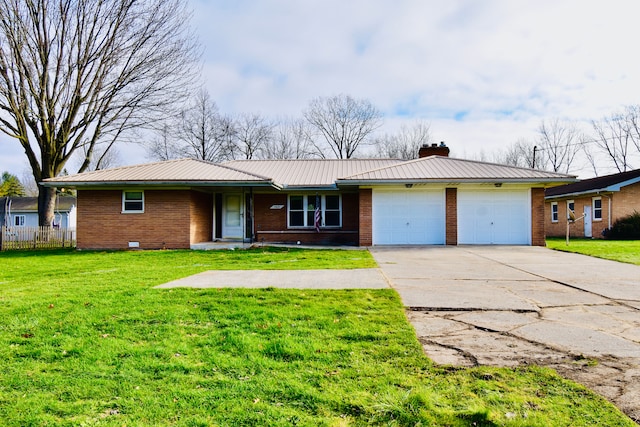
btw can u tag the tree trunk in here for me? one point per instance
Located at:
(46, 205)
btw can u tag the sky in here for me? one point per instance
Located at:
(483, 74)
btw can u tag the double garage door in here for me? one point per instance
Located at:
(417, 217)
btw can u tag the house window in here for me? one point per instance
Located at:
(554, 211)
(597, 208)
(570, 208)
(132, 201)
(302, 209)
(19, 220)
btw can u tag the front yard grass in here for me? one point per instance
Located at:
(86, 340)
(617, 250)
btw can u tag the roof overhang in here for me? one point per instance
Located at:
(456, 181)
(163, 184)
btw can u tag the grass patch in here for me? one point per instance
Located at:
(617, 250)
(86, 340)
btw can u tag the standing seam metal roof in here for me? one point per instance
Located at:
(183, 170)
(309, 172)
(448, 168)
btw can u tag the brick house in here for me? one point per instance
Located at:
(431, 200)
(598, 202)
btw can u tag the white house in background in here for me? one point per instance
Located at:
(23, 212)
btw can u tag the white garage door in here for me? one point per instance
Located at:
(501, 217)
(408, 217)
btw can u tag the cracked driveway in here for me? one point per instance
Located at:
(518, 305)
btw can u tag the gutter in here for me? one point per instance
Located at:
(451, 181)
(111, 184)
(599, 191)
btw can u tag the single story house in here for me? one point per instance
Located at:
(23, 212)
(599, 202)
(433, 200)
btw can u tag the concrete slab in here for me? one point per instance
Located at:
(369, 278)
(458, 295)
(500, 321)
(578, 340)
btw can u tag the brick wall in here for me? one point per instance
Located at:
(164, 223)
(451, 220)
(271, 224)
(623, 203)
(201, 217)
(537, 217)
(366, 225)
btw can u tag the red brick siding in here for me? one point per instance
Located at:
(451, 233)
(271, 224)
(537, 217)
(366, 225)
(201, 217)
(623, 203)
(102, 225)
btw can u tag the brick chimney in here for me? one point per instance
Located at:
(434, 150)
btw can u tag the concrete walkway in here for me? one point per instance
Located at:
(364, 278)
(508, 306)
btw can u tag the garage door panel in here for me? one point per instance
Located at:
(494, 217)
(408, 217)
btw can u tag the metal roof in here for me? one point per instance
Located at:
(448, 169)
(183, 171)
(309, 173)
(30, 204)
(599, 184)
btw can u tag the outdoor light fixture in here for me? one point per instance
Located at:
(408, 185)
(498, 184)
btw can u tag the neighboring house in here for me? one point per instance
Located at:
(431, 200)
(23, 212)
(598, 202)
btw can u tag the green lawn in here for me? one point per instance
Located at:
(617, 250)
(85, 340)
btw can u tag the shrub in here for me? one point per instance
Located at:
(626, 228)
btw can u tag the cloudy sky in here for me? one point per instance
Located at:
(482, 73)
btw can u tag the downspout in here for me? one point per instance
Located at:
(609, 211)
(251, 217)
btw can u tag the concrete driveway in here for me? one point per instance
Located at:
(508, 306)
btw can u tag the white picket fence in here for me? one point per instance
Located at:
(16, 238)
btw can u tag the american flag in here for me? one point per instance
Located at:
(316, 215)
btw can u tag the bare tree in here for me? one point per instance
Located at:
(617, 135)
(343, 122)
(406, 143)
(253, 133)
(521, 153)
(164, 145)
(558, 143)
(202, 132)
(291, 140)
(79, 74)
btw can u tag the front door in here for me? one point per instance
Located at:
(587, 221)
(232, 217)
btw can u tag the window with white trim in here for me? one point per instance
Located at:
(596, 202)
(301, 210)
(132, 201)
(570, 208)
(19, 220)
(554, 211)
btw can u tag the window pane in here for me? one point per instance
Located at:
(296, 203)
(332, 202)
(132, 206)
(597, 203)
(332, 218)
(310, 218)
(133, 195)
(296, 219)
